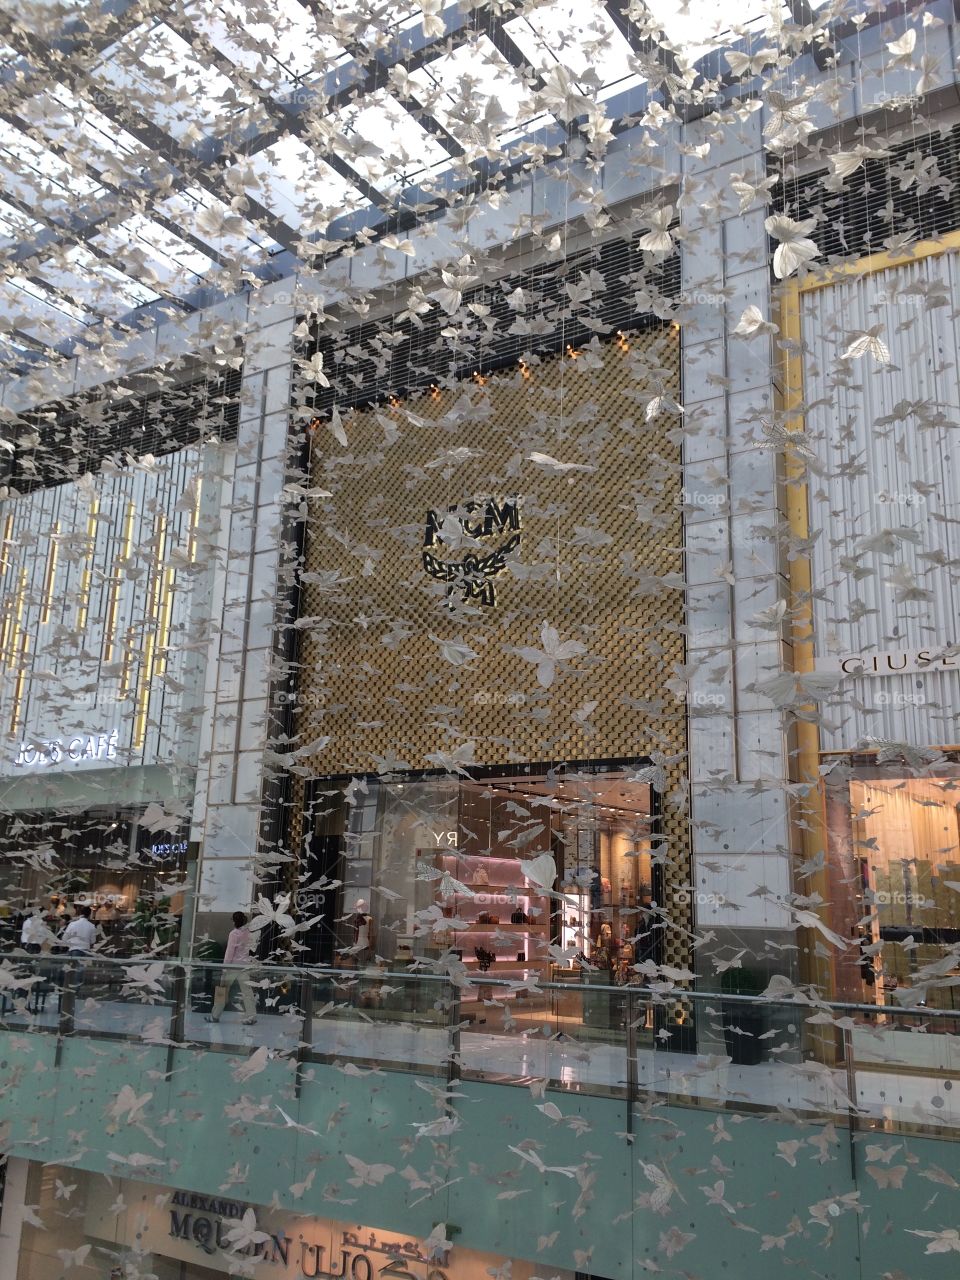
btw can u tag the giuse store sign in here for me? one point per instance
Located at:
(892, 662)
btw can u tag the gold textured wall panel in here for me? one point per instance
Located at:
(376, 678)
(599, 559)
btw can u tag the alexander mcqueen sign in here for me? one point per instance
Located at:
(192, 1227)
(204, 1221)
(473, 574)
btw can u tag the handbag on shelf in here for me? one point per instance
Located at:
(480, 876)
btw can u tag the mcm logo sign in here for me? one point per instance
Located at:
(458, 530)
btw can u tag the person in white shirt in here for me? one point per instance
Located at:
(34, 932)
(80, 934)
(240, 943)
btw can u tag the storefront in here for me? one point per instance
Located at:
(493, 764)
(104, 610)
(116, 1228)
(893, 841)
(517, 874)
(132, 878)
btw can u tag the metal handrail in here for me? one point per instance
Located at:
(655, 995)
(65, 974)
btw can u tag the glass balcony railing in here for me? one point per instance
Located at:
(864, 1066)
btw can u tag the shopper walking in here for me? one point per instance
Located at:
(240, 943)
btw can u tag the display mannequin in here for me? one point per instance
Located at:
(364, 933)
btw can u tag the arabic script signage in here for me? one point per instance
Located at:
(205, 1221)
(195, 1228)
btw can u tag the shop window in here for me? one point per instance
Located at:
(131, 878)
(532, 874)
(894, 855)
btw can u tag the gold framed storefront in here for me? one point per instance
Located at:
(494, 578)
(874, 830)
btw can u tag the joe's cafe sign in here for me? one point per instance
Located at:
(192, 1227)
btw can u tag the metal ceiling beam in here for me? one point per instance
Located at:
(81, 33)
(507, 47)
(27, 340)
(365, 75)
(429, 123)
(408, 100)
(345, 85)
(88, 219)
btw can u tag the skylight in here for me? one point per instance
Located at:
(383, 142)
(74, 121)
(476, 95)
(210, 220)
(277, 54)
(697, 26)
(15, 224)
(160, 76)
(294, 183)
(41, 312)
(35, 175)
(580, 36)
(94, 283)
(155, 255)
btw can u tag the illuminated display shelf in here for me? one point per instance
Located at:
(516, 894)
(482, 926)
(515, 889)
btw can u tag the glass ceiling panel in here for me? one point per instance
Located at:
(40, 313)
(277, 54)
(35, 175)
(295, 184)
(63, 116)
(383, 142)
(477, 96)
(697, 26)
(161, 77)
(15, 224)
(151, 253)
(579, 35)
(95, 283)
(375, 23)
(211, 221)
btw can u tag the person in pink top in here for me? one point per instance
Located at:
(240, 943)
